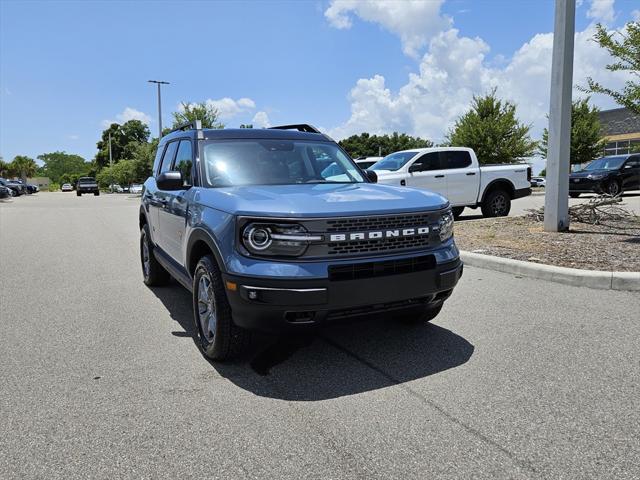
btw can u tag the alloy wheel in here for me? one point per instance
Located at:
(206, 308)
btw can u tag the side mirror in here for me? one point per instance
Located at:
(415, 168)
(170, 181)
(371, 175)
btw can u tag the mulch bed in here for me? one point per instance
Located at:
(611, 247)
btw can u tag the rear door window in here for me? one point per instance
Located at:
(456, 159)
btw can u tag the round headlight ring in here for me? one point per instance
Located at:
(258, 238)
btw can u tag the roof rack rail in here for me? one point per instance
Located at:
(301, 127)
(193, 125)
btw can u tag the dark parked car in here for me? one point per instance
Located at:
(5, 192)
(87, 185)
(16, 187)
(612, 175)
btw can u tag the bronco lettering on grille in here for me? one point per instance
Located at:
(378, 234)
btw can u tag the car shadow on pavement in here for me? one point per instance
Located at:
(334, 361)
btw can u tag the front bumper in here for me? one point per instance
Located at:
(585, 185)
(275, 305)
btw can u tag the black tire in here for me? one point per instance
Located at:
(153, 274)
(96, 193)
(574, 195)
(224, 339)
(78, 194)
(497, 203)
(614, 188)
(426, 315)
(457, 211)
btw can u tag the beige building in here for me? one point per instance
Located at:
(621, 128)
(41, 182)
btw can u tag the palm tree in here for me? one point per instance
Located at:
(4, 168)
(23, 167)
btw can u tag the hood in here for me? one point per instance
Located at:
(324, 200)
(586, 173)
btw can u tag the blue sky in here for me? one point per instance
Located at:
(67, 67)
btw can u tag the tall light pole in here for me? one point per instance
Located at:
(110, 164)
(556, 202)
(158, 83)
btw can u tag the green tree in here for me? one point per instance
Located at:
(143, 156)
(492, 129)
(586, 140)
(4, 168)
(366, 145)
(626, 53)
(190, 112)
(123, 141)
(57, 164)
(122, 173)
(23, 167)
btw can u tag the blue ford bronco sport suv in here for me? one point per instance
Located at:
(278, 228)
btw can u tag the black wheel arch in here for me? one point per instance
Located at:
(500, 183)
(202, 243)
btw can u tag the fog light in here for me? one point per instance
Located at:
(252, 294)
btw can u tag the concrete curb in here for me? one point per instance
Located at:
(627, 281)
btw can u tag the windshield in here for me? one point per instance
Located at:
(394, 162)
(86, 180)
(276, 162)
(606, 163)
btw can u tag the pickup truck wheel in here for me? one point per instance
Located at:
(427, 314)
(497, 203)
(457, 211)
(78, 194)
(153, 273)
(218, 337)
(96, 193)
(574, 195)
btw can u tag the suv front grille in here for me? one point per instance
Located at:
(356, 271)
(383, 245)
(375, 222)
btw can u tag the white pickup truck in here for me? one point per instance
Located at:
(454, 172)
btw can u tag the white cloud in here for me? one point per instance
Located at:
(73, 137)
(229, 108)
(601, 11)
(455, 68)
(414, 21)
(128, 114)
(261, 120)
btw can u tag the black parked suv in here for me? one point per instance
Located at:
(87, 185)
(612, 175)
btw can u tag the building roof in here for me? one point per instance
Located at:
(619, 121)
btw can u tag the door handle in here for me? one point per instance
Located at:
(439, 176)
(471, 173)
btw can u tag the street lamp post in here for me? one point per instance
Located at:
(556, 203)
(110, 164)
(158, 83)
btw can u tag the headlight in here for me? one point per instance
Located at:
(595, 177)
(276, 239)
(446, 226)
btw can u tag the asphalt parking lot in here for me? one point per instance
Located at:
(517, 378)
